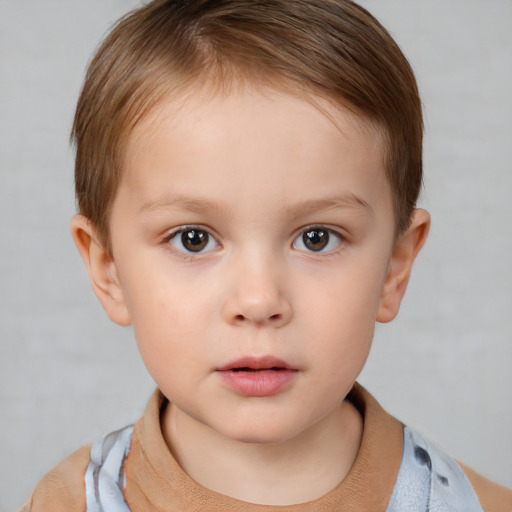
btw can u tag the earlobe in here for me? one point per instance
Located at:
(404, 253)
(102, 270)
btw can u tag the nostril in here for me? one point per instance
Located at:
(272, 318)
(257, 313)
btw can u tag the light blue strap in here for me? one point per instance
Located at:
(104, 477)
(430, 481)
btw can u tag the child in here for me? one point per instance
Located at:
(247, 174)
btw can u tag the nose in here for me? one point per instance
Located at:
(256, 297)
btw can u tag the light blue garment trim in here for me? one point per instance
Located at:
(104, 477)
(430, 481)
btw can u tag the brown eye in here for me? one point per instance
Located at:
(193, 240)
(320, 239)
(316, 239)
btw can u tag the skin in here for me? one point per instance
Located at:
(253, 171)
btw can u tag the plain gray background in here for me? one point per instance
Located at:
(444, 366)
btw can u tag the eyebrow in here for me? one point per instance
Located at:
(195, 205)
(345, 201)
(203, 205)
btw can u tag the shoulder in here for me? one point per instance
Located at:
(425, 474)
(493, 497)
(431, 480)
(63, 488)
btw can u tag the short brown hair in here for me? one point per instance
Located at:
(331, 48)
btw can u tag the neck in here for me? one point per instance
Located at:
(298, 470)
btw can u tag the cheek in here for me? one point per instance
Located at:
(170, 318)
(168, 345)
(157, 294)
(348, 295)
(340, 313)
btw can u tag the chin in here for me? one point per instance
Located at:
(260, 433)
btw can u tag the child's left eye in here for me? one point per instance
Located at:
(192, 240)
(317, 240)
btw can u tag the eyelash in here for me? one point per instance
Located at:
(340, 240)
(299, 239)
(188, 255)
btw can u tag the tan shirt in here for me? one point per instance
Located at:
(155, 481)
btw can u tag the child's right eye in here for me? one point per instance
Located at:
(192, 240)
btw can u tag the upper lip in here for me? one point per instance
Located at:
(256, 363)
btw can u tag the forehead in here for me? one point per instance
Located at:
(272, 142)
(185, 101)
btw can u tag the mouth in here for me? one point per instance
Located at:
(256, 364)
(257, 377)
(257, 370)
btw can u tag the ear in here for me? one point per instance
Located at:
(102, 270)
(404, 253)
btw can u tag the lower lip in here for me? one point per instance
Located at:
(259, 383)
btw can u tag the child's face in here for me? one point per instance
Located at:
(250, 231)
